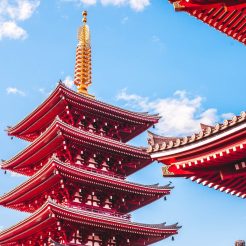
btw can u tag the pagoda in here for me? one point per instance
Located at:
(214, 157)
(78, 161)
(227, 16)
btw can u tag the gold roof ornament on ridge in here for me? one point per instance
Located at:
(82, 77)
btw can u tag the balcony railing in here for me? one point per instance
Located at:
(98, 210)
(95, 170)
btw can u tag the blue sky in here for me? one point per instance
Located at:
(146, 57)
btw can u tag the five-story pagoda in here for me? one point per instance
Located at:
(78, 160)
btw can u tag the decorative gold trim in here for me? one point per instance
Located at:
(166, 172)
(82, 77)
(177, 6)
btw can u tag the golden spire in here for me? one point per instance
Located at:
(82, 77)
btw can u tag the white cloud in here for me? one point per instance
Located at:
(22, 9)
(11, 13)
(9, 29)
(227, 116)
(113, 2)
(181, 114)
(137, 5)
(68, 81)
(89, 2)
(14, 90)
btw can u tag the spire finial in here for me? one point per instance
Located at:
(84, 16)
(82, 78)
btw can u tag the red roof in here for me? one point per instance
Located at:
(29, 160)
(51, 217)
(62, 99)
(51, 176)
(215, 157)
(234, 128)
(227, 16)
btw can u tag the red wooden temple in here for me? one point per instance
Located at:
(227, 16)
(214, 157)
(78, 161)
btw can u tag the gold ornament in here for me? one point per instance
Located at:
(82, 77)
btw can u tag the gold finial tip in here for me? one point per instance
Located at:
(84, 16)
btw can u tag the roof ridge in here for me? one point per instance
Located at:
(159, 143)
(56, 121)
(54, 161)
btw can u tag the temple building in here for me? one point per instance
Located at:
(227, 16)
(78, 161)
(214, 157)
